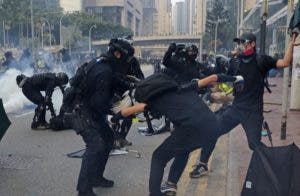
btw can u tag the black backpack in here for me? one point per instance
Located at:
(153, 86)
(78, 84)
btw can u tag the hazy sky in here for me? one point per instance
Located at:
(173, 1)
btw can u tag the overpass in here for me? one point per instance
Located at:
(156, 40)
(156, 44)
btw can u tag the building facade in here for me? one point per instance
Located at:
(128, 13)
(162, 17)
(149, 11)
(189, 17)
(71, 6)
(181, 17)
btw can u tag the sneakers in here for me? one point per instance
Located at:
(199, 170)
(103, 182)
(169, 189)
(125, 142)
(121, 143)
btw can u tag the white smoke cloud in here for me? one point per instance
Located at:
(11, 94)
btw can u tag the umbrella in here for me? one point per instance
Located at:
(4, 121)
(273, 171)
(294, 26)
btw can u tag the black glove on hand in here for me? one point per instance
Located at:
(116, 118)
(132, 85)
(193, 85)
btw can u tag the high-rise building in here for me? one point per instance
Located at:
(128, 13)
(189, 17)
(162, 18)
(149, 11)
(199, 17)
(180, 17)
(71, 5)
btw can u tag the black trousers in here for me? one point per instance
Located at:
(99, 142)
(176, 146)
(125, 127)
(35, 96)
(251, 121)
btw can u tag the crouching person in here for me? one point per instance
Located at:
(32, 87)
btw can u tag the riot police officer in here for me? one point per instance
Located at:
(32, 87)
(124, 81)
(95, 87)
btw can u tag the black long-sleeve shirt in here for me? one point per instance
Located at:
(99, 90)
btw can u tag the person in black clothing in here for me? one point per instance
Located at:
(32, 87)
(195, 125)
(25, 60)
(123, 83)
(247, 106)
(188, 69)
(10, 61)
(92, 124)
(66, 60)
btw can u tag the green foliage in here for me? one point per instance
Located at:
(226, 26)
(15, 12)
(103, 30)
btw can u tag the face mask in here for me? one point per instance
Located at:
(248, 52)
(245, 51)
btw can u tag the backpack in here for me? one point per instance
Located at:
(79, 85)
(153, 86)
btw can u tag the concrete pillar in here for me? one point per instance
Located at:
(133, 25)
(123, 17)
(138, 51)
(295, 88)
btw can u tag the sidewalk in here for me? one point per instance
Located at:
(240, 154)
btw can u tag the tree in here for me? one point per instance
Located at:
(81, 22)
(219, 13)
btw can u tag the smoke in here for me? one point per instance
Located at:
(12, 96)
(13, 99)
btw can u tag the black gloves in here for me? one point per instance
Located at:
(193, 85)
(116, 118)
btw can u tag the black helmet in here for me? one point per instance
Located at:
(62, 78)
(192, 51)
(186, 51)
(121, 45)
(19, 79)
